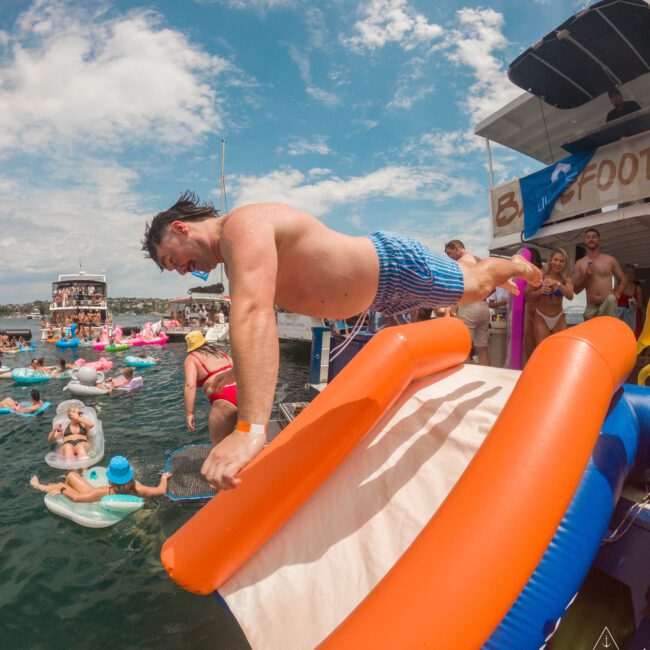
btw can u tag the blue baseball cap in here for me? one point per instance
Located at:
(119, 471)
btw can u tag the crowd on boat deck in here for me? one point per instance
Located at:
(77, 295)
(199, 314)
(610, 291)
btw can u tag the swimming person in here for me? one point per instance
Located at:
(205, 360)
(37, 402)
(75, 442)
(121, 480)
(277, 255)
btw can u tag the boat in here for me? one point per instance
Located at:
(78, 292)
(296, 327)
(205, 309)
(35, 314)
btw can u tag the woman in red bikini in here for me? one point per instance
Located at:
(205, 360)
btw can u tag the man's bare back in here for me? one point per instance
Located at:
(320, 272)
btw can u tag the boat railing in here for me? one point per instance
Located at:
(67, 303)
(618, 175)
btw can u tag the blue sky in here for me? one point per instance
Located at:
(359, 112)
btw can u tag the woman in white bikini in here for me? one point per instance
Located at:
(556, 286)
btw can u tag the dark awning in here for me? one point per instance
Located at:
(603, 46)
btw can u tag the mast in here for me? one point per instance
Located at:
(223, 205)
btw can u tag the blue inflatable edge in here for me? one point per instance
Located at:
(44, 407)
(196, 497)
(558, 577)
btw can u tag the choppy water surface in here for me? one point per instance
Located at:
(65, 585)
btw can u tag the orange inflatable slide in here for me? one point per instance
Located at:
(471, 547)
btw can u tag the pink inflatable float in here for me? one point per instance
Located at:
(101, 364)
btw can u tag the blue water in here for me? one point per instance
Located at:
(62, 585)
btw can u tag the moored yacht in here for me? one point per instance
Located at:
(76, 294)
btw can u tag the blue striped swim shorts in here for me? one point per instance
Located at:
(412, 276)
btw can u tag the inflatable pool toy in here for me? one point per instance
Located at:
(85, 382)
(117, 334)
(91, 515)
(44, 407)
(134, 384)
(5, 370)
(53, 339)
(86, 344)
(28, 376)
(139, 362)
(66, 374)
(72, 343)
(95, 438)
(27, 348)
(101, 364)
(117, 347)
(520, 520)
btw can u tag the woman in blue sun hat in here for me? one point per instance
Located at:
(121, 480)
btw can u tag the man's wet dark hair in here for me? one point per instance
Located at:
(454, 243)
(593, 230)
(36, 396)
(187, 208)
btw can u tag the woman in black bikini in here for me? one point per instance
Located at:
(203, 362)
(75, 435)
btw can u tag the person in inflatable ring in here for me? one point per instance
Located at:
(9, 403)
(121, 380)
(121, 480)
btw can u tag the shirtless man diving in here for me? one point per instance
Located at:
(594, 272)
(277, 255)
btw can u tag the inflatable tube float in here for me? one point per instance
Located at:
(101, 364)
(72, 343)
(118, 347)
(28, 376)
(85, 382)
(5, 370)
(95, 438)
(27, 348)
(86, 344)
(139, 362)
(102, 514)
(134, 384)
(509, 523)
(43, 408)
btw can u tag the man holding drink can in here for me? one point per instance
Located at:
(594, 272)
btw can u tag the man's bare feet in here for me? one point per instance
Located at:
(525, 270)
(229, 457)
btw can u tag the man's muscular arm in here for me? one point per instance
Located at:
(579, 277)
(249, 250)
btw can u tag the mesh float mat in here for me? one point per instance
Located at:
(186, 482)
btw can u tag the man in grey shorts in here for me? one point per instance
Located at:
(476, 315)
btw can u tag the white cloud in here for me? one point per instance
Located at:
(473, 44)
(438, 144)
(391, 21)
(411, 86)
(259, 5)
(304, 67)
(303, 146)
(319, 197)
(73, 76)
(78, 209)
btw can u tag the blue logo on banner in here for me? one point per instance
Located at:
(540, 191)
(202, 275)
